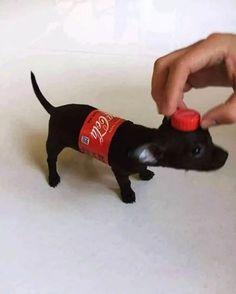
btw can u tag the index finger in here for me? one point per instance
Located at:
(160, 75)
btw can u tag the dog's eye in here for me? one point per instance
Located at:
(197, 151)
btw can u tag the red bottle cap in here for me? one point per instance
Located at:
(186, 120)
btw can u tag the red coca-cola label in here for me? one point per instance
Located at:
(97, 132)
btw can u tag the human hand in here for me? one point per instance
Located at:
(209, 62)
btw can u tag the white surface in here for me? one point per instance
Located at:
(79, 237)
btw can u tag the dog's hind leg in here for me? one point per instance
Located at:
(53, 150)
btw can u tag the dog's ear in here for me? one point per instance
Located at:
(148, 154)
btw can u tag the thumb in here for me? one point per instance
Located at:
(221, 114)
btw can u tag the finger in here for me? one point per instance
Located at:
(160, 73)
(204, 54)
(221, 114)
(158, 81)
(213, 76)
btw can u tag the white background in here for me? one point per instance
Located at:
(180, 235)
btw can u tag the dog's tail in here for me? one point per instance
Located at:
(40, 96)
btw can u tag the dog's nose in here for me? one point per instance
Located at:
(225, 156)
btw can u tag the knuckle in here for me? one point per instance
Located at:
(214, 36)
(159, 64)
(229, 111)
(230, 108)
(155, 97)
(180, 64)
(153, 94)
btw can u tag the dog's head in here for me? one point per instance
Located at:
(181, 150)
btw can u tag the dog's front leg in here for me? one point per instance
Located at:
(127, 194)
(146, 174)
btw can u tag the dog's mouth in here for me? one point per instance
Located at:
(219, 158)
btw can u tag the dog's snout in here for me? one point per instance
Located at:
(219, 157)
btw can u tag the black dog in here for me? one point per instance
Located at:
(133, 147)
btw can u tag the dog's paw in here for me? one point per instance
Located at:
(146, 175)
(54, 180)
(128, 196)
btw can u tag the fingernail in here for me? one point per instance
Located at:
(158, 109)
(205, 124)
